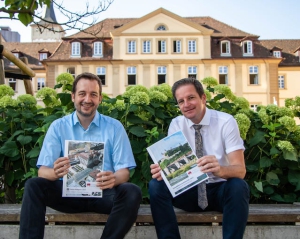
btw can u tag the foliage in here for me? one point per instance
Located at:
(29, 12)
(65, 80)
(271, 137)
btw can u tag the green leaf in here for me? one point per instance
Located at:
(252, 168)
(290, 198)
(272, 178)
(136, 146)
(268, 190)
(134, 119)
(258, 186)
(146, 169)
(160, 114)
(24, 139)
(138, 131)
(10, 149)
(274, 151)
(257, 138)
(294, 177)
(277, 197)
(133, 108)
(149, 109)
(25, 18)
(9, 178)
(65, 98)
(34, 153)
(265, 162)
(288, 155)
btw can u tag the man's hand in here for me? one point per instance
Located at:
(209, 164)
(106, 180)
(61, 166)
(156, 171)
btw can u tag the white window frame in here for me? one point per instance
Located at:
(131, 46)
(69, 71)
(253, 70)
(131, 70)
(277, 54)
(161, 46)
(13, 80)
(43, 56)
(76, 49)
(161, 28)
(253, 107)
(101, 71)
(247, 48)
(281, 82)
(147, 46)
(98, 49)
(176, 46)
(192, 46)
(223, 70)
(227, 48)
(192, 70)
(162, 70)
(40, 83)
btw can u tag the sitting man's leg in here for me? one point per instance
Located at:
(163, 214)
(231, 198)
(37, 193)
(125, 202)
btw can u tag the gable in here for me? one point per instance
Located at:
(174, 24)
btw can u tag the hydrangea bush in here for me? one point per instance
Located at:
(270, 135)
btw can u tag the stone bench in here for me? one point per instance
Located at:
(263, 219)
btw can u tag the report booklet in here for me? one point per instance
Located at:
(177, 162)
(87, 160)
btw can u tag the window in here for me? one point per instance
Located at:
(223, 75)
(12, 83)
(101, 72)
(161, 73)
(71, 70)
(281, 82)
(192, 72)
(191, 46)
(253, 107)
(247, 48)
(75, 49)
(177, 46)
(225, 48)
(162, 46)
(43, 56)
(147, 46)
(277, 54)
(98, 48)
(253, 75)
(131, 47)
(40, 83)
(161, 28)
(131, 75)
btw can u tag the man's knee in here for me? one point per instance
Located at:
(237, 187)
(157, 188)
(133, 192)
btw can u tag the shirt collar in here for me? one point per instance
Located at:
(94, 121)
(204, 121)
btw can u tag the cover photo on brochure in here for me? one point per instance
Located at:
(86, 159)
(177, 162)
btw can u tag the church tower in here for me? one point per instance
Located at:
(47, 35)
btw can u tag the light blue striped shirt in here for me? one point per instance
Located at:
(117, 149)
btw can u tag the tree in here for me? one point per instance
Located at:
(29, 11)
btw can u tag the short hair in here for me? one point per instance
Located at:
(188, 81)
(89, 76)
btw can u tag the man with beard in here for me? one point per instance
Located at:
(120, 199)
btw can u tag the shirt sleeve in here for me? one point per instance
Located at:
(51, 149)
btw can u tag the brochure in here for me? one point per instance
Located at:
(87, 159)
(177, 162)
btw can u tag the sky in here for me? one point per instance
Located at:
(269, 19)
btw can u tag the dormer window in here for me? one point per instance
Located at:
(277, 54)
(76, 49)
(247, 48)
(225, 48)
(98, 49)
(43, 56)
(161, 28)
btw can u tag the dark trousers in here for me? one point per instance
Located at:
(230, 197)
(121, 203)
